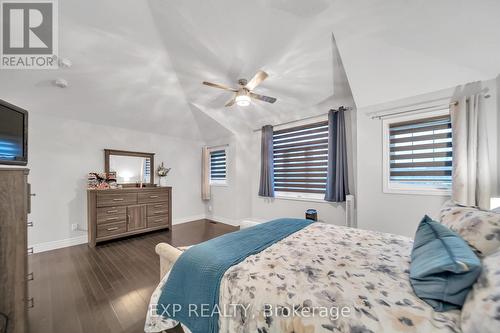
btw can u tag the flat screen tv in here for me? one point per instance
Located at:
(13, 134)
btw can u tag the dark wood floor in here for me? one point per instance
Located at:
(107, 288)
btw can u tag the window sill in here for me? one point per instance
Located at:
(297, 198)
(219, 184)
(410, 191)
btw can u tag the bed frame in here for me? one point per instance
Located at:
(168, 256)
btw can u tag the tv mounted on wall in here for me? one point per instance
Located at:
(13, 134)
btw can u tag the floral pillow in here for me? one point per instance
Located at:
(481, 311)
(480, 228)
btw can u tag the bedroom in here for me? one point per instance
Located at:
(129, 78)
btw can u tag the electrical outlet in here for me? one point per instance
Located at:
(209, 208)
(74, 227)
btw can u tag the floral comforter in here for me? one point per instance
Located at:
(323, 278)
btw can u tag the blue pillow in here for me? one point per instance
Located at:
(443, 266)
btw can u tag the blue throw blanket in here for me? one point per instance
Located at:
(194, 280)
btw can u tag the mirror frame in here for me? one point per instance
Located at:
(151, 156)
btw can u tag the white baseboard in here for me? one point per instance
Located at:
(188, 219)
(225, 220)
(59, 244)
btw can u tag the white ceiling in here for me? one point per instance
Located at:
(140, 64)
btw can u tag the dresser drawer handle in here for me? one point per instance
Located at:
(158, 206)
(30, 302)
(118, 199)
(153, 196)
(30, 277)
(112, 211)
(159, 220)
(160, 212)
(112, 229)
(30, 224)
(30, 250)
(112, 218)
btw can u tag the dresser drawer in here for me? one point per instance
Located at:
(110, 229)
(111, 214)
(152, 196)
(109, 199)
(154, 221)
(157, 209)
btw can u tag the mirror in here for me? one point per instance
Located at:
(131, 167)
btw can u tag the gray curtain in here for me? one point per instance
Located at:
(471, 173)
(337, 186)
(266, 187)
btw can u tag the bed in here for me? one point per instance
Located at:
(360, 277)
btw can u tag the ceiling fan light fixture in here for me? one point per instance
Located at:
(243, 100)
(244, 93)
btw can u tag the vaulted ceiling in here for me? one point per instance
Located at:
(140, 64)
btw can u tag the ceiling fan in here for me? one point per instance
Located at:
(244, 94)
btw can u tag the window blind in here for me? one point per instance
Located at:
(421, 152)
(218, 164)
(301, 158)
(147, 169)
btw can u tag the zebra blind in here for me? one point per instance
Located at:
(421, 152)
(218, 165)
(301, 158)
(147, 170)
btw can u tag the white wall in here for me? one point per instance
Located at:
(63, 151)
(232, 202)
(222, 204)
(401, 213)
(239, 200)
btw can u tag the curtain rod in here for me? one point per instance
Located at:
(343, 108)
(375, 115)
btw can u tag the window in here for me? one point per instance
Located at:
(218, 170)
(147, 170)
(418, 154)
(300, 160)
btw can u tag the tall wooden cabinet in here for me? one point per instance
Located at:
(116, 213)
(14, 209)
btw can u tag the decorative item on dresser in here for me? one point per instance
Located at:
(116, 213)
(162, 173)
(14, 209)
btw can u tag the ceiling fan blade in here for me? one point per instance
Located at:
(256, 80)
(220, 86)
(231, 101)
(263, 98)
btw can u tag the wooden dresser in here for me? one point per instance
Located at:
(116, 213)
(14, 210)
